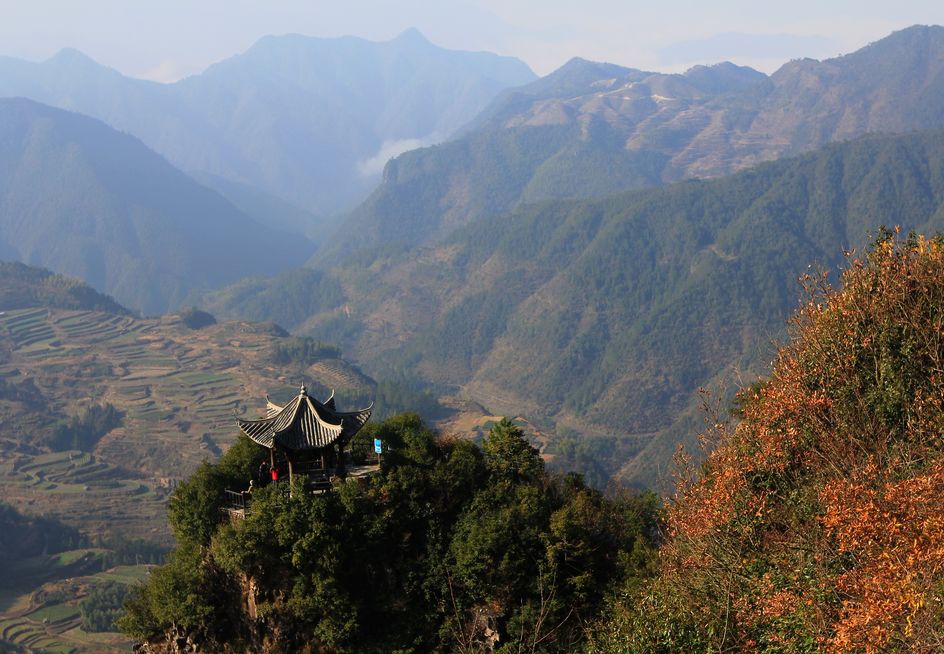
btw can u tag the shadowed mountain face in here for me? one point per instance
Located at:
(79, 198)
(606, 316)
(308, 120)
(589, 130)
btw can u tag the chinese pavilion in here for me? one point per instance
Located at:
(306, 432)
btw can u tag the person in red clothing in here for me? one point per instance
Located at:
(275, 474)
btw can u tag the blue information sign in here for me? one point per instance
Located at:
(377, 446)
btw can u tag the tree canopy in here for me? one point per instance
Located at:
(450, 547)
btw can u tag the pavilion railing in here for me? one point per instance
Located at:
(236, 500)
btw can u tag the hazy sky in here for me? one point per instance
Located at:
(168, 39)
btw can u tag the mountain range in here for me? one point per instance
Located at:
(515, 265)
(591, 129)
(604, 317)
(308, 120)
(586, 252)
(82, 199)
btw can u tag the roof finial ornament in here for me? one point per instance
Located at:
(303, 390)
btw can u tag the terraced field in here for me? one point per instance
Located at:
(48, 619)
(178, 390)
(337, 374)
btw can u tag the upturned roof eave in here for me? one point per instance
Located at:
(265, 433)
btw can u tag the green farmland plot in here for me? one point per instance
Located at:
(55, 614)
(49, 619)
(30, 330)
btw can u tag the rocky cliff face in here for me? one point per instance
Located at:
(253, 634)
(174, 641)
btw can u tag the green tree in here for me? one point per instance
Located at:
(509, 456)
(194, 509)
(447, 541)
(184, 592)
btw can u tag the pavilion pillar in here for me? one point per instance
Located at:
(289, 459)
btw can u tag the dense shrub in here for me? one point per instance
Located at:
(102, 606)
(194, 318)
(816, 524)
(303, 351)
(82, 432)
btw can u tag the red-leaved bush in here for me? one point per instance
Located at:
(817, 522)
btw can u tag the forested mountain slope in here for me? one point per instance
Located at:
(607, 315)
(305, 119)
(23, 286)
(590, 130)
(83, 199)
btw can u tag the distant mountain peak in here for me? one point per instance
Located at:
(73, 57)
(578, 63)
(912, 38)
(916, 30)
(581, 66)
(724, 76)
(299, 117)
(722, 66)
(914, 34)
(412, 36)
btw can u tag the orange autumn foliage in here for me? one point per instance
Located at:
(894, 529)
(817, 523)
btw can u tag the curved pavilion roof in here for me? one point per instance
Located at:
(304, 424)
